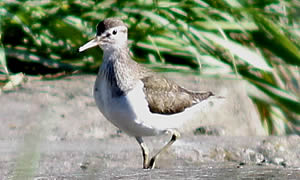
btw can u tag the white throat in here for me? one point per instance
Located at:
(116, 41)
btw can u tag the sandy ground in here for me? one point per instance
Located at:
(53, 130)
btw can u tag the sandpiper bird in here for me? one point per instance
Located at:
(133, 98)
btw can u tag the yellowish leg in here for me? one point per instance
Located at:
(175, 135)
(145, 152)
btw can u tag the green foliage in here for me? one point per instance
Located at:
(253, 40)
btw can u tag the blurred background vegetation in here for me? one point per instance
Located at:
(254, 40)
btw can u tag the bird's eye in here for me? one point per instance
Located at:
(114, 32)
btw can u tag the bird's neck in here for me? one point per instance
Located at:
(119, 70)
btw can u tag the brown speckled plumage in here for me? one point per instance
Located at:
(166, 97)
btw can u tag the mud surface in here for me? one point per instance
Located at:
(53, 130)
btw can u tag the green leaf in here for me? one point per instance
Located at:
(3, 59)
(282, 98)
(280, 39)
(244, 53)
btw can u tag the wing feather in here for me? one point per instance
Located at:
(166, 97)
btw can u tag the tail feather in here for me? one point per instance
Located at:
(200, 96)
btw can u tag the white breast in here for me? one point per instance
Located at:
(126, 112)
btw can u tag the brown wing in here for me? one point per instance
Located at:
(166, 97)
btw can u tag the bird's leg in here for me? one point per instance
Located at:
(175, 135)
(145, 152)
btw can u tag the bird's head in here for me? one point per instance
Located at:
(111, 34)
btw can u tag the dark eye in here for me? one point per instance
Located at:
(114, 32)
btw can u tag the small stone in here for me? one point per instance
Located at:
(84, 165)
(259, 158)
(241, 164)
(278, 161)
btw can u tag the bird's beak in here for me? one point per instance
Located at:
(92, 43)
